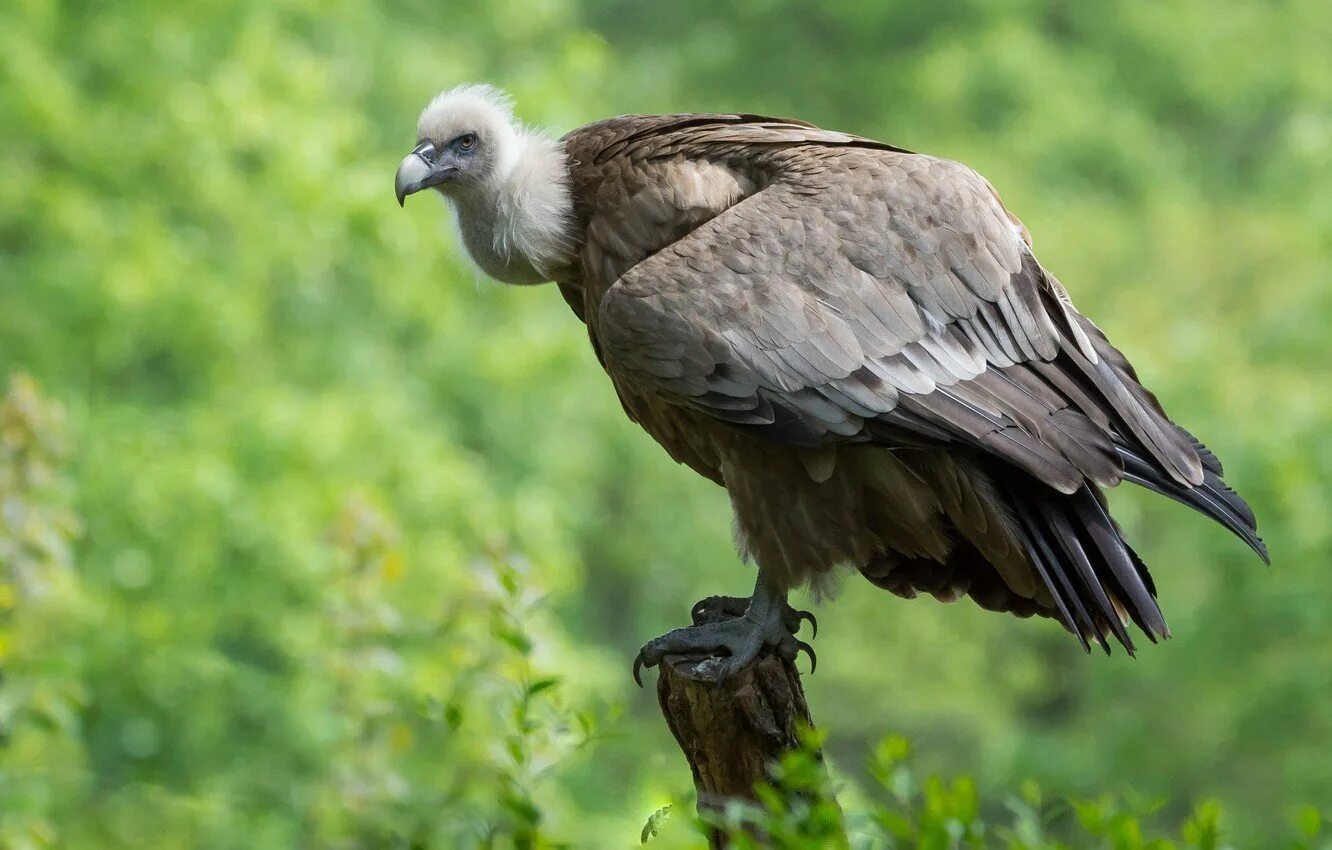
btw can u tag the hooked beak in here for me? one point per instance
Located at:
(420, 170)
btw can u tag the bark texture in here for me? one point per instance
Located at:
(730, 732)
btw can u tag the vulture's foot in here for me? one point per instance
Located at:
(730, 631)
(714, 609)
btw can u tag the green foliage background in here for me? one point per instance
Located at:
(325, 518)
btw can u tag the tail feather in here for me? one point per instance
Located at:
(1052, 576)
(1127, 571)
(1092, 582)
(1096, 579)
(1150, 584)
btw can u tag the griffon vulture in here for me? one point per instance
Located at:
(855, 340)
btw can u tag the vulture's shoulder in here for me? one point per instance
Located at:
(599, 141)
(644, 137)
(641, 182)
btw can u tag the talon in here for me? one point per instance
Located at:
(638, 668)
(728, 632)
(813, 623)
(813, 659)
(696, 613)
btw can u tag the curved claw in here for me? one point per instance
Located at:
(813, 659)
(638, 668)
(813, 623)
(697, 610)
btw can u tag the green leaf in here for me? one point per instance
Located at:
(521, 808)
(514, 638)
(587, 722)
(453, 715)
(541, 685)
(1203, 828)
(894, 823)
(655, 822)
(1309, 821)
(1031, 793)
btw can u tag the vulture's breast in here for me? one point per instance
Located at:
(631, 210)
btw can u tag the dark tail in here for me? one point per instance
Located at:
(1096, 579)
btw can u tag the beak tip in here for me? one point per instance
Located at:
(413, 175)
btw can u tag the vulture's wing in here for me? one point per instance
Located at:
(865, 294)
(859, 295)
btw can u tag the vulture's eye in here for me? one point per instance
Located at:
(466, 142)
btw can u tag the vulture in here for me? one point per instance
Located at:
(856, 341)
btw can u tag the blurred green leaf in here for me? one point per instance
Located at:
(655, 822)
(541, 685)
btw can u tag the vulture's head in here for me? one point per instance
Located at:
(508, 183)
(463, 137)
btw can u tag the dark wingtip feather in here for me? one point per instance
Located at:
(1212, 498)
(1210, 461)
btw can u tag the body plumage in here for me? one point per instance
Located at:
(855, 340)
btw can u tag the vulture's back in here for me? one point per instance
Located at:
(660, 176)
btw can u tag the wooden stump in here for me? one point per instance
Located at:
(730, 732)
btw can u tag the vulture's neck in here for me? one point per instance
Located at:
(518, 228)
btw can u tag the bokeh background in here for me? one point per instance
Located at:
(312, 538)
